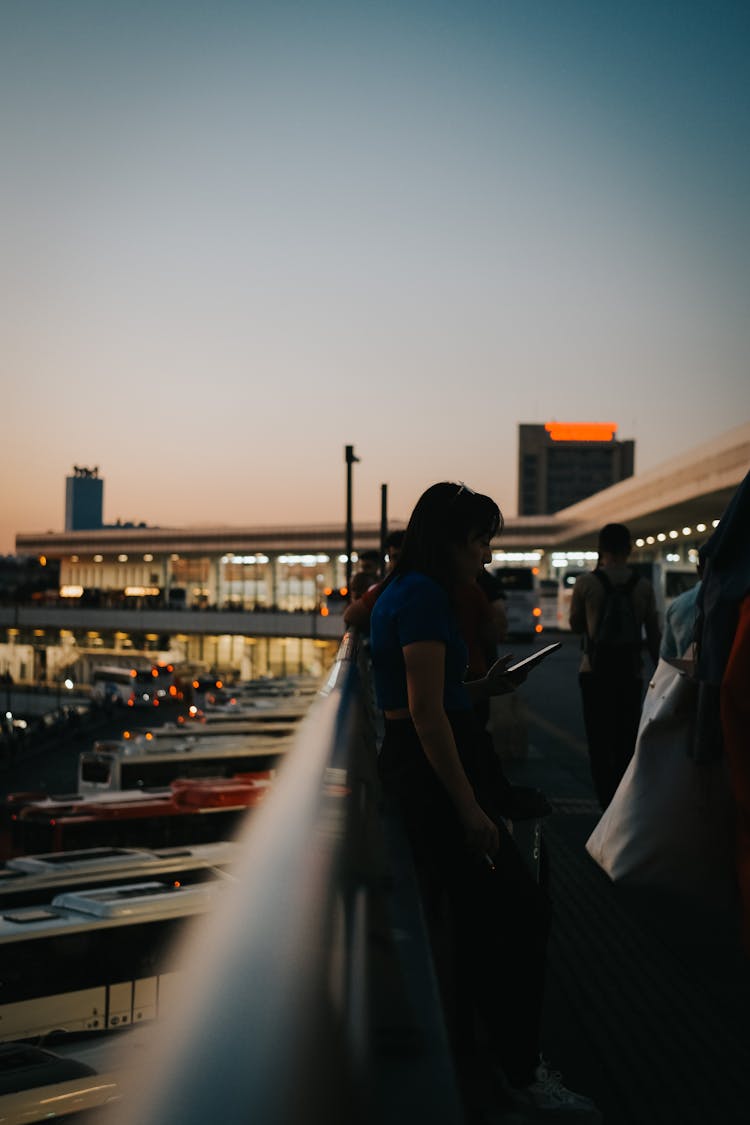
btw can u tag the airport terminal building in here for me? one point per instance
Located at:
(255, 598)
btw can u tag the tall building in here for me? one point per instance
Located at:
(84, 499)
(560, 463)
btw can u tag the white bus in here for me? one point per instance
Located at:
(135, 687)
(566, 582)
(113, 685)
(93, 960)
(194, 730)
(82, 1075)
(669, 580)
(182, 815)
(34, 879)
(548, 589)
(141, 764)
(520, 586)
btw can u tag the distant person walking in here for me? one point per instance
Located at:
(611, 606)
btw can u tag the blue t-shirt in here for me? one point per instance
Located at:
(415, 608)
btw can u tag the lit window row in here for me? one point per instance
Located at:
(563, 558)
(516, 556)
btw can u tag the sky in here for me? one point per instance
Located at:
(238, 236)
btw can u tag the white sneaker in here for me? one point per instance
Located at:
(546, 1095)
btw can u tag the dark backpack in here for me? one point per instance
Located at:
(616, 644)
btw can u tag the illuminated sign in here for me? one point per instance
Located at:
(581, 431)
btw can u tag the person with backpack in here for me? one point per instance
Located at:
(612, 607)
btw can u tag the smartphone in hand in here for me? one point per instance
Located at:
(535, 658)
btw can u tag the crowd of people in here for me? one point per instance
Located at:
(434, 622)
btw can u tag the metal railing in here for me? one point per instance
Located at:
(308, 995)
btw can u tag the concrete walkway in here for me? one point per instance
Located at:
(648, 997)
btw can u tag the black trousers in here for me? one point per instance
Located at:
(499, 919)
(611, 714)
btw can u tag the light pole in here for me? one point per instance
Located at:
(383, 524)
(350, 460)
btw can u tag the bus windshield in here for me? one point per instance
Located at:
(515, 577)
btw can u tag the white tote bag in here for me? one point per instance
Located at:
(670, 824)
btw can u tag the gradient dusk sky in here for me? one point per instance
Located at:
(240, 236)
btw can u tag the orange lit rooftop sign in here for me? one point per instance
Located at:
(581, 431)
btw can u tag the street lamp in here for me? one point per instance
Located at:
(350, 460)
(383, 523)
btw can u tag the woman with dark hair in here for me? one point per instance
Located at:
(436, 766)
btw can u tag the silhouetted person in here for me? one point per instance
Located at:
(367, 573)
(610, 607)
(436, 766)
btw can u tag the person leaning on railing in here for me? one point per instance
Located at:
(439, 771)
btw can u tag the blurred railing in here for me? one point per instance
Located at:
(308, 996)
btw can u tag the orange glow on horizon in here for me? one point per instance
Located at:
(581, 431)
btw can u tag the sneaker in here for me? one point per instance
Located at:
(546, 1096)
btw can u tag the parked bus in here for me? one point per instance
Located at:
(140, 764)
(164, 684)
(520, 586)
(669, 580)
(93, 960)
(548, 588)
(334, 602)
(135, 687)
(178, 734)
(34, 1078)
(30, 879)
(565, 584)
(184, 814)
(113, 685)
